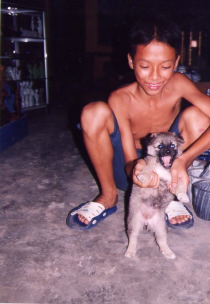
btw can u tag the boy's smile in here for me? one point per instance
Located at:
(153, 65)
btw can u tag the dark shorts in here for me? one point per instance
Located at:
(120, 176)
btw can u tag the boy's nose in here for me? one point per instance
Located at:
(154, 75)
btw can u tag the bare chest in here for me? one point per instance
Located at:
(151, 119)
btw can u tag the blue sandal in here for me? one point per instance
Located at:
(94, 212)
(176, 208)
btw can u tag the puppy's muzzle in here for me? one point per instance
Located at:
(167, 154)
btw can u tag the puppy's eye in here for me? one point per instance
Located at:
(160, 146)
(173, 146)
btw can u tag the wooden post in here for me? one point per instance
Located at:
(199, 43)
(182, 55)
(190, 51)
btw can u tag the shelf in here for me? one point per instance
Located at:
(34, 107)
(24, 39)
(14, 11)
(5, 57)
(28, 79)
(24, 56)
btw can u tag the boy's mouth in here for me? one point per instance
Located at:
(154, 87)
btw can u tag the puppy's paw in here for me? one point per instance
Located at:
(166, 251)
(182, 197)
(169, 254)
(130, 254)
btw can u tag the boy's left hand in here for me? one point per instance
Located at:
(179, 174)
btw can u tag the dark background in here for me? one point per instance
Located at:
(70, 72)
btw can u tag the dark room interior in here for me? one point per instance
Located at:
(86, 43)
(56, 56)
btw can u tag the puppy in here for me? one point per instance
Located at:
(147, 205)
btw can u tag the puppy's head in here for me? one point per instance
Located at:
(166, 146)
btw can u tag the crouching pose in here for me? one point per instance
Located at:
(113, 131)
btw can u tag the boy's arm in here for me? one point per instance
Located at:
(180, 166)
(119, 103)
(191, 93)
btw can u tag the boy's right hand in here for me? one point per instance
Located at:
(151, 180)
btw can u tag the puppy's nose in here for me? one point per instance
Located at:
(167, 151)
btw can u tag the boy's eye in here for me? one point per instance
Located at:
(166, 67)
(144, 66)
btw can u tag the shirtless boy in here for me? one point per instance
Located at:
(112, 132)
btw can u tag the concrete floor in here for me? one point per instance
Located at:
(43, 261)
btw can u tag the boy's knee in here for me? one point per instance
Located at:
(192, 124)
(192, 116)
(94, 115)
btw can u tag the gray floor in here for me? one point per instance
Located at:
(43, 261)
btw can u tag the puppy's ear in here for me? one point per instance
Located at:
(146, 141)
(180, 139)
(153, 135)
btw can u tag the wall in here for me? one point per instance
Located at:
(101, 53)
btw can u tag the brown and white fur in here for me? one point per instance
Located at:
(147, 205)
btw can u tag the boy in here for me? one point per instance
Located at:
(112, 132)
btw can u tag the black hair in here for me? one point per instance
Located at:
(158, 28)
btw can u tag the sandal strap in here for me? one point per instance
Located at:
(176, 208)
(90, 210)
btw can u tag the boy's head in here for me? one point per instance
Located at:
(159, 28)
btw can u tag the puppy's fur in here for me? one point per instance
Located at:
(147, 205)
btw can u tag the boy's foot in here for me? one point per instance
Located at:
(178, 215)
(88, 215)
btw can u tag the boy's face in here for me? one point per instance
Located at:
(153, 65)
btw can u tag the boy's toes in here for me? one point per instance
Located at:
(83, 219)
(179, 219)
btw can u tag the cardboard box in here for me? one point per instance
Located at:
(13, 132)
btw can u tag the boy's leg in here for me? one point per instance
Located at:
(191, 123)
(120, 177)
(97, 124)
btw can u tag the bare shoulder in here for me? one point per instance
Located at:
(121, 97)
(188, 90)
(183, 83)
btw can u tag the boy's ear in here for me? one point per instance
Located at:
(130, 61)
(177, 61)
